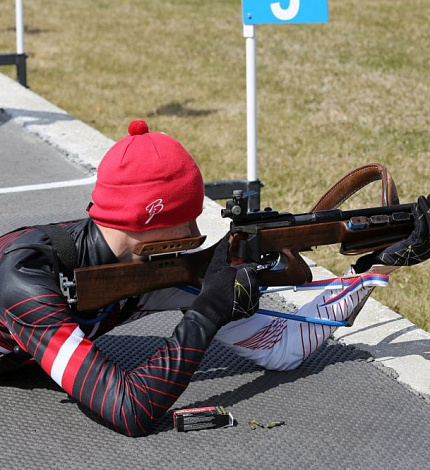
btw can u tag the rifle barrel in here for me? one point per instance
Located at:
(331, 215)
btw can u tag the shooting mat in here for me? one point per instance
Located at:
(340, 411)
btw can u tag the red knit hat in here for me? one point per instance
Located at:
(146, 181)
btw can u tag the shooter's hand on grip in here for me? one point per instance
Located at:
(228, 293)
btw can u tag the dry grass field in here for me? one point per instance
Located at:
(330, 97)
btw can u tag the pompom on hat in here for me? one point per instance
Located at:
(146, 181)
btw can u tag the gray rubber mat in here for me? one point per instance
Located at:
(340, 411)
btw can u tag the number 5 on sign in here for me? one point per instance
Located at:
(284, 11)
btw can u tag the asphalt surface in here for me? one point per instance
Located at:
(360, 402)
(28, 171)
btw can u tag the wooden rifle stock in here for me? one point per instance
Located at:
(253, 236)
(98, 286)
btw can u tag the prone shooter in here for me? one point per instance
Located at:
(63, 285)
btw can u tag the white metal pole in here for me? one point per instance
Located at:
(19, 19)
(249, 33)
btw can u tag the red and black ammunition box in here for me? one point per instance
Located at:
(209, 417)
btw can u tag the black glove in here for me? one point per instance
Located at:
(228, 293)
(415, 249)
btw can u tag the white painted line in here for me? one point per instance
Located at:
(58, 184)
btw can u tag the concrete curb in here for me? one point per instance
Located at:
(392, 340)
(78, 141)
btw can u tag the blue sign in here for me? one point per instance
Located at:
(284, 11)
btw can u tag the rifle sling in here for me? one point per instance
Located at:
(64, 245)
(355, 180)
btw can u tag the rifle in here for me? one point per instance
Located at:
(272, 239)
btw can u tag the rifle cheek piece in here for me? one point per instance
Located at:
(165, 247)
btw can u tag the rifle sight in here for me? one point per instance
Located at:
(237, 209)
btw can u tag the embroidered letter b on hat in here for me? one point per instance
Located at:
(146, 181)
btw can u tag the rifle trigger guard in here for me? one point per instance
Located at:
(273, 262)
